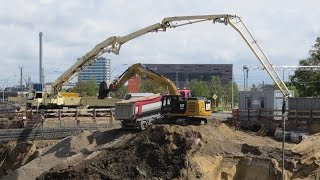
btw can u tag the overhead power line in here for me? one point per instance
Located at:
(294, 68)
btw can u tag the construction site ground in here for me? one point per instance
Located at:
(211, 151)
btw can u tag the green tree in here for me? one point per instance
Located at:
(89, 88)
(307, 83)
(294, 89)
(217, 87)
(199, 88)
(120, 92)
(149, 86)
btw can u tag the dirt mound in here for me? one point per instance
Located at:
(16, 154)
(309, 164)
(68, 150)
(309, 148)
(171, 151)
(157, 152)
(73, 145)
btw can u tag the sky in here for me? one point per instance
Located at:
(286, 30)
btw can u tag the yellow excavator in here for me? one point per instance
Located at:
(172, 106)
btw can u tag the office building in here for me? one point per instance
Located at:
(182, 74)
(99, 71)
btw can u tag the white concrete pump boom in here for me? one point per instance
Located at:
(113, 44)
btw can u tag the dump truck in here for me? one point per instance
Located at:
(138, 113)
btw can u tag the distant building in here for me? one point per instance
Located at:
(266, 99)
(182, 74)
(99, 70)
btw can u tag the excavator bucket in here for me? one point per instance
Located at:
(103, 90)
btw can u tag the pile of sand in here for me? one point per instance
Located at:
(309, 150)
(68, 150)
(14, 155)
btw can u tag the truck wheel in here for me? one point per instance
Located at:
(143, 125)
(123, 125)
(150, 122)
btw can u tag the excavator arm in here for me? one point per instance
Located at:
(142, 71)
(114, 43)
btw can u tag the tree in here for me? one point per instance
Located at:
(218, 88)
(120, 92)
(215, 86)
(149, 86)
(307, 83)
(89, 88)
(199, 88)
(294, 89)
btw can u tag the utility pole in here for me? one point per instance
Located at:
(21, 88)
(40, 60)
(232, 101)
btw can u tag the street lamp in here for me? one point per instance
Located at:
(115, 69)
(5, 82)
(44, 76)
(245, 81)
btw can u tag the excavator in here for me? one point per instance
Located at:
(176, 105)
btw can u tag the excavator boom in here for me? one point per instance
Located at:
(142, 71)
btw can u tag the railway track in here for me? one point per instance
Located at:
(45, 133)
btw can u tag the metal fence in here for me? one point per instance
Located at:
(297, 120)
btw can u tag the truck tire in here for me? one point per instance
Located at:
(143, 125)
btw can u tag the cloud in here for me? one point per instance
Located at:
(285, 30)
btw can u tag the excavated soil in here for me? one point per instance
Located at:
(212, 151)
(15, 154)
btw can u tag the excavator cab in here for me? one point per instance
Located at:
(173, 104)
(175, 107)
